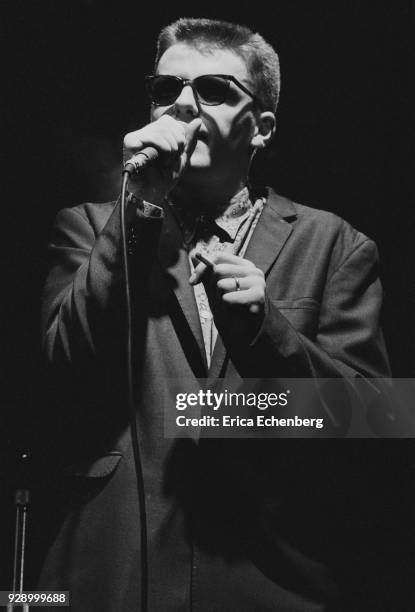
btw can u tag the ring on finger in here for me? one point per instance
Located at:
(237, 284)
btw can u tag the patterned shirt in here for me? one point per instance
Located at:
(228, 232)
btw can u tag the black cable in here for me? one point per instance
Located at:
(131, 402)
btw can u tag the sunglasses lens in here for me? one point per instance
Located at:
(212, 89)
(164, 89)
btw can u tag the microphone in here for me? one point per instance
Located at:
(140, 160)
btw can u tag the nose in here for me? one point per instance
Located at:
(187, 103)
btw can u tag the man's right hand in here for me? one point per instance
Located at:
(175, 140)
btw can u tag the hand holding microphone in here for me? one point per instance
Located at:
(157, 155)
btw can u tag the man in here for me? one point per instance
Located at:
(294, 292)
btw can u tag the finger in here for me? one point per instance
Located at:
(170, 122)
(171, 139)
(164, 142)
(164, 129)
(170, 150)
(198, 273)
(175, 129)
(192, 130)
(220, 271)
(132, 143)
(226, 257)
(249, 297)
(231, 284)
(243, 268)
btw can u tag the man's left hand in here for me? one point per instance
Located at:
(236, 281)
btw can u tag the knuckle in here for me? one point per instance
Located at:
(248, 263)
(128, 140)
(180, 128)
(165, 119)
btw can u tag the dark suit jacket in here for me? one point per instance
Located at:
(233, 525)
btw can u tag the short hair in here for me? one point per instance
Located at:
(260, 58)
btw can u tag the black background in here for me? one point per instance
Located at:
(73, 79)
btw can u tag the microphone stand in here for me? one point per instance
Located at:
(21, 501)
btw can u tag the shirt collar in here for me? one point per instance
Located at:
(228, 221)
(235, 214)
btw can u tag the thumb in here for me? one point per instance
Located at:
(192, 130)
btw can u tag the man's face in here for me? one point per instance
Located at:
(223, 147)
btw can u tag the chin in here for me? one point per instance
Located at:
(199, 161)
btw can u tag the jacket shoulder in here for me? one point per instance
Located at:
(331, 229)
(95, 214)
(327, 225)
(323, 232)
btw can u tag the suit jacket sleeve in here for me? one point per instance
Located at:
(83, 312)
(347, 342)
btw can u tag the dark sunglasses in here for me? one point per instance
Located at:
(210, 89)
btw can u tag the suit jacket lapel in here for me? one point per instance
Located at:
(271, 233)
(268, 239)
(175, 262)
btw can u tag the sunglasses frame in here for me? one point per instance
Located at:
(227, 77)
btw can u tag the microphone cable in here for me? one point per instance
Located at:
(131, 397)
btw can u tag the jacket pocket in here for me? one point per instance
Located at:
(302, 314)
(301, 303)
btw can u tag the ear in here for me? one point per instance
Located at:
(264, 130)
